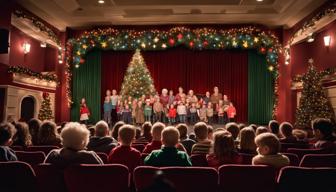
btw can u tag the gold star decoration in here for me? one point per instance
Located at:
(245, 44)
(256, 39)
(234, 43)
(104, 44)
(84, 46)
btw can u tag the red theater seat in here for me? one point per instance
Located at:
(46, 149)
(185, 179)
(31, 157)
(293, 158)
(199, 160)
(17, 148)
(301, 152)
(89, 178)
(17, 176)
(247, 178)
(247, 158)
(319, 160)
(286, 146)
(103, 157)
(294, 179)
(49, 178)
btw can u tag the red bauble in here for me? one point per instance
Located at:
(205, 43)
(262, 50)
(191, 43)
(179, 36)
(171, 42)
(270, 50)
(81, 61)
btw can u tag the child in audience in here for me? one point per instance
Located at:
(210, 132)
(34, 127)
(116, 128)
(203, 144)
(182, 112)
(139, 114)
(231, 112)
(127, 114)
(22, 136)
(193, 113)
(224, 151)
(323, 131)
(286, 130)
(156, 138)
(168, 155)
(146, 132)
(48, 134)
(7, 131)
(268, 147)
(125, 154)
(261, 129)
(273, 126)
(210, 113)
(158, 110)
(247, 145)
(171, 114)
(148, 111)
(202, 113)
(233, 129)
(185, 141)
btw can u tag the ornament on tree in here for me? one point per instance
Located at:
(171, 42)
(137, 80)
(45, 112)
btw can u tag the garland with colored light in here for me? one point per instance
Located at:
(199, 39)
(25, 71)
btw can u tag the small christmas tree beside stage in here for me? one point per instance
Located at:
(314, 102)
(45, 112)
(137, 80)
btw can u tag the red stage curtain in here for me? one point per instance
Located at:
(197, 70)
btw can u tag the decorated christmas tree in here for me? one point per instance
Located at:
(314, 102)
(45, 112)
(137, 80)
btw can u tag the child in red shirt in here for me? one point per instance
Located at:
(84, 112)
(171, 114)
(156, 141)
(231, 112)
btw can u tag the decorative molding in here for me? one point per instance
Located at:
(34, 82)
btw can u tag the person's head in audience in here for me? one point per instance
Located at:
(247, 136)
(75, 136)
(137, 132)
(323, 129)
(223, 146)
(7, 131)
(273, 126)
(157, 130)
(34, 127)
(241, 126)
(261, 129)
(233, 129)
(192, 136)
(210, 132)
(160, 183)
(267, 144)
(183, 130)
(22, 136)
(201, 131)
(126, 135)
(286, 129)
(147, 128)
(300, 134)
(115, 129)
(254, 126)
(101, 129)
(48, 134)
(92, 131)
(170, 136)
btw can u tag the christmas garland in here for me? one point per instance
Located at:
(28, 72)
(326, 72)
(198, 39)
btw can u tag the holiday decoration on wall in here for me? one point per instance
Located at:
(45, 112)
(314, 102)
(137, 80)
(199, 39)
(25, 71)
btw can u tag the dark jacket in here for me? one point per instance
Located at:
(101, 144)
(7, 154)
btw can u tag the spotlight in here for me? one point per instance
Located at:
(101, 1)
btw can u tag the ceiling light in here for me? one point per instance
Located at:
(101, 1)
(260, 0)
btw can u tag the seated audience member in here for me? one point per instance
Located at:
(233, 128)
(224, 151)
(48, 134)
(301, 136)
(7, 131)
(124, 153)
(192, 136)
(34, 127)
(323, 131)
(156, 138)
(116, 128)
(254, 126)
(146, 132)
(261, 129)
(168, 155)
(185, 141)
(241, 126)
(22, 136)
(102, 142)
(210, 132)
(75, 138)
(286, 130)
(137, 133)
(268, 147)
(247, 145)
(273, 126)
(203, 144)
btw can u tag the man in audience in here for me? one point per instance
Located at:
(203, 144)
(125, 154)
(268, 147)
(75, 138)
(185, 141)
(156, 139)
(7, 131)
(286, 130)
(323, 131)
(102, 142)
(168, 155)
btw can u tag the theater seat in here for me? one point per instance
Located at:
(199, 160)
(139, 147)
(318, 160)
(44, 148)
(33, 158)
(301, 152)
(294, 179)
(293, 159)
(48, 175)
(89, 178)
(17, 176)
(185, 179)
(17, 148)
(286, 146)
(247, 178)
(103, 157)
(247, 158)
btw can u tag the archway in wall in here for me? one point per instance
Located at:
(27, 108)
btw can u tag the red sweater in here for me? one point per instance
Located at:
(154, 145)
(231, 111)
(172, 113)
(125, 155)
(84, 110)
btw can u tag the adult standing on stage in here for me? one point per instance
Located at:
(114, 101)
(192, 98)
(214, 99)
(107, 107)
(226, 104)
(180, 96)
(164, 100)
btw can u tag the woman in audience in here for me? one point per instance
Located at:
(115, 129)
(147, 132)
(224, 151)
(22, 136)
(75, 138)
(34, 127)
(48, 134)
(247, 144)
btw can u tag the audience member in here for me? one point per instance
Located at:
(75, 138)
(247, 145)
(116, 128)
(301, 136)
(323, 131)
(203, 144)
(48, 134)
(7, 131)
(254, 126)
(102, 142)
(146, 132)
(34, 127)
(185, 141)
(261, 129)
(168, 155)
(22, 136)
(210, 132)
(286, 130)
(137, 133)
(156, 138)
(234, 130)
(273, 126)
(268, 147)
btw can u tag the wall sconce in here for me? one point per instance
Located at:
(26, 47)
(287, 55)
(310, 38)
(327, 40)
